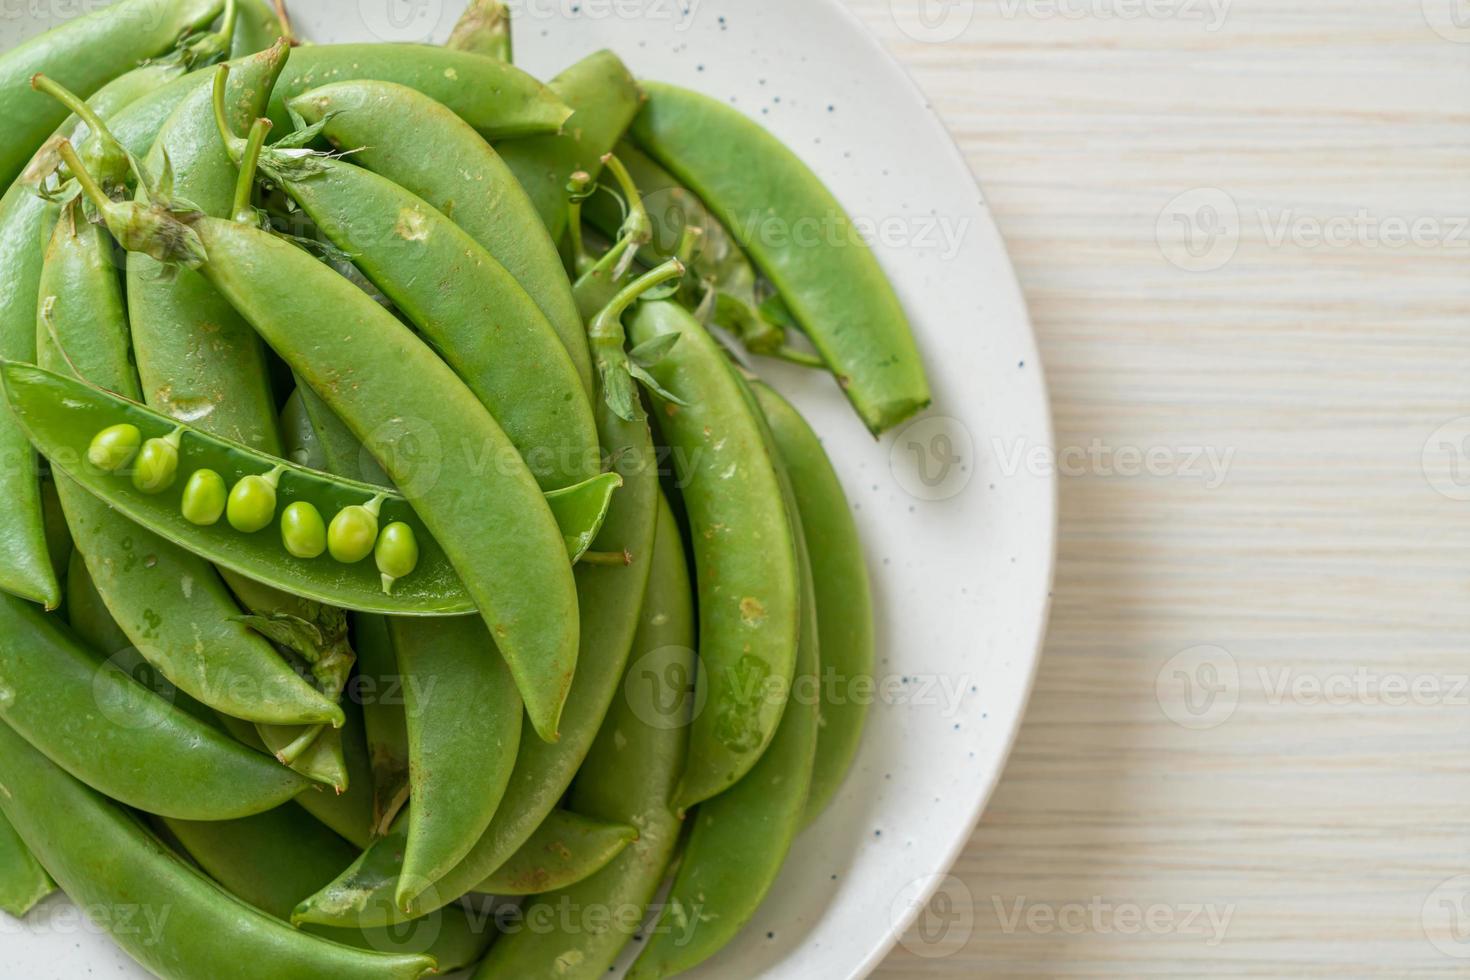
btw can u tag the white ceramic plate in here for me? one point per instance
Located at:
(958, 509)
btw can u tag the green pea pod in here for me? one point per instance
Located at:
(457, 771)
(465, 303)
(739, 840)
(836, 289)
(422, 146)
(483, 29)
(609, 599)
(490, 520)
(749, 582)
(629, 776)
(23, 882)
(119, 737)
(170, 603)
(61, 415)
(257, 28)
(843, 600)
(107, 862)
(498, 99)
(272, 859)
(84, 54)
(604, 99)
(565, 849)
(198, 361)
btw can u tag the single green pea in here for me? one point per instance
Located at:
(158, 463)
(354, 531)
(204, 498)
(252, 503)
(397, 553)
(114, 447)
(303, 531)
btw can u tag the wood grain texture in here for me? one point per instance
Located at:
(1313, 576)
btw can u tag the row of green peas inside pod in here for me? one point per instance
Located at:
(251, 504)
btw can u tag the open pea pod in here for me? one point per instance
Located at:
(62, 415)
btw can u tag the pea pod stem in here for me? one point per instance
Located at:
(605, 336)
(78, 106)
(241, 210)
(578, 187)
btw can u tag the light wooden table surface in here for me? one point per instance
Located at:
(1247, 752)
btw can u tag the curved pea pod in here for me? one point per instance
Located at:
(843, 598)
(117, 736)
(480, 502)
(272, 859)
(458, 769)
(84, 54)
(565, 849)
(107, 862)
(609, 599)
(23, 882)
(198, 360)
(483, 29)
(61, 415)
(604, 99)
(422, 146)
(745, 562)
(342, 453)
(496, 98)
(739, 840)
(629, 776)
(170, 603)
(466, 304)
(836, 290)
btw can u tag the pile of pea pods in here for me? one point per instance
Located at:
(396, 540)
